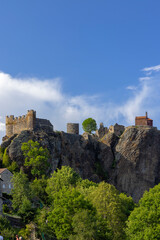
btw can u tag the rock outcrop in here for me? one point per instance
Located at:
(131, 162)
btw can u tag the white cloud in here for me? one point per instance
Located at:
(131, 87)
(2, 127)
(150, 69)
(17, 95)
(144, 78)
(135, 105)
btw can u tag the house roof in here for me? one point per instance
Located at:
(144, 117)
(2, 170)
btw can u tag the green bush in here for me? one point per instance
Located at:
(6, 208)
(6, 230)
(13, 167)
(6, 160)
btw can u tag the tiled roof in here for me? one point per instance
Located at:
(2, 169)
(144, 117)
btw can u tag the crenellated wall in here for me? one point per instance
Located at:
(14, 125)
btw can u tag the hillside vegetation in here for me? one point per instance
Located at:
(63, 185)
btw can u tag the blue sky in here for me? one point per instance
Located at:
(89, 57)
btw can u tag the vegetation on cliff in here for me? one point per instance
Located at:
(64, 206)
(89, 125)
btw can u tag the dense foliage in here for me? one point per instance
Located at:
(89, 125)
(144, 221)
(63, 206)
(36, 157)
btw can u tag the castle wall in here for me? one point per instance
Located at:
(43, 124)
(73, 128)
(14, 125)
(19, 125)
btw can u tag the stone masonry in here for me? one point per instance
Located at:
(73, 128)
(6, 183)
(101, 131)
(14, 125)
(117, 129)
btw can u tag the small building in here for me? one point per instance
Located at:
(143, 121)
(6, 184)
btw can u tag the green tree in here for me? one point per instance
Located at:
(127, 205)
(60, 219)
(21, 196)
(37, 188)
(6, 230)
(105, 198)
(63, 178)
(84, 225)
(42, 223)
(13, 167)
(20, 189)
(143, 222)
(89, 125)
(36, 157)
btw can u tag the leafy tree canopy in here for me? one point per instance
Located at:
(105, 198)
(60, 219)
(63, 178)
(37, 188)
(143, 223)
(21, 195)
(89, 125)
(35, 157)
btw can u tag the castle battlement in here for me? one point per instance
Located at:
(14, 125)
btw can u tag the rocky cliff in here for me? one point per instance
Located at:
(131, 162)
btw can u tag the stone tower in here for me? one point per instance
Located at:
(73, 128)
(31, 119)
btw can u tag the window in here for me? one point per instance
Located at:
(9, 186)
(3, 185)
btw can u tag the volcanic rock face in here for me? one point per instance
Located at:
(131, 162)
(137, 157)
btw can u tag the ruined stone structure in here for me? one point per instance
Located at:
(101, 131)
(73, 128)
(14, 125)
(143, 121)
(117, 129)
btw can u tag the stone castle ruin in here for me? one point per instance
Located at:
(14, 125)
(101, 131)
(117, 129)
(73, 128)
